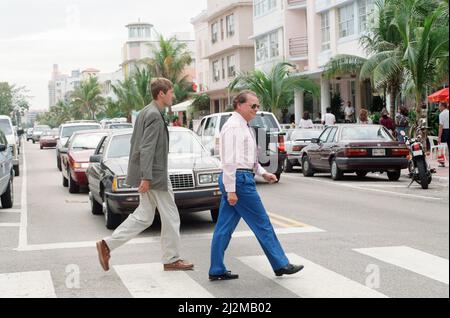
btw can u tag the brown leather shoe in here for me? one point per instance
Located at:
(103, 254)
(179, 265)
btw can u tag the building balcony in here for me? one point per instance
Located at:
(298, 48)
(296, 4)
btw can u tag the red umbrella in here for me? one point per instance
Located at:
(440, 96)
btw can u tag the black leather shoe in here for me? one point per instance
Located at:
(288, 270)
(226, 276)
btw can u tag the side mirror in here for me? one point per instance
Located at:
(20, 132)
(315, 140)
(63, 150)
(95, 158)
(2, 148)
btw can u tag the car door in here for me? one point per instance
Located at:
(209, 133)
(95, 171)
(327, 148)
(314, 152)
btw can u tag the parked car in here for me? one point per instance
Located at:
(37, 132)
(356, 149)
(119, 126)
(65, 132)
(75, 158)
(49, 138)
(29, 134)
(6, 173)
(6, 127)
(193, 173)
(299, 139)
(269, 137)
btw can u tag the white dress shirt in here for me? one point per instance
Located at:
(306, 123)
(443, 119)
(329, 119)
(238, 150)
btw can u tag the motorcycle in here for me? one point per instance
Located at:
(419, 169)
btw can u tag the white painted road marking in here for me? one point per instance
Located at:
(23, 234)
(150, 281)
(27, 285)
(150, 240)
(9, 224)
(314, 281)
(416, 261)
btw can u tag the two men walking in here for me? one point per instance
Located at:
(148, 170)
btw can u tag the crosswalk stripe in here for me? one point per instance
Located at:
(27, 285)
(414, 260)
(150, 281)
(314, 281)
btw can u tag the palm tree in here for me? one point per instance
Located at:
(112, 109)
(142, 78)
(128, 97)
(88, 97)
(382, 44)
(63, 111)
(170, 58)
(276, 89)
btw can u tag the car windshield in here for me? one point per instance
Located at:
(86, 141)
(305, 134)
(185, 142)
(68, 131)
(5, 126)
(366, 132)
(48, 133)
(120, 126)
(120, 146)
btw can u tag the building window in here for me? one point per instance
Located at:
(263, 6)
(365, 10)
(346, 21)
(214, 32)
(267, 47)
(223, 68)
(230, 25)
(274, 45)
(216, 71)
(325, 30)
(231, 62)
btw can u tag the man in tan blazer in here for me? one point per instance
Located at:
(148, 170)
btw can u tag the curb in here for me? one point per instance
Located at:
(442, 180)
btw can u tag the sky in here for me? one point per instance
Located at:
(76, 34)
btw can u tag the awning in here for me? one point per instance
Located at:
(182, 107)
(439, 96)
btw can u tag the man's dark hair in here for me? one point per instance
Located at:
(241, 98)
(160, 84)
(328, 109)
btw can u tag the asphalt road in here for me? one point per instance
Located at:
(356, 238)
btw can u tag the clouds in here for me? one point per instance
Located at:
(76, 34)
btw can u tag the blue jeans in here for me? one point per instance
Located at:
(250, 208)
(399, 135)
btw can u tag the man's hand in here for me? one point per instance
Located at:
(269, 177)
(145, 186)
(439, 141)
(232, 198)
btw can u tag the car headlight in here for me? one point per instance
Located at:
(81, 165)
(208, 178)
(119, 184)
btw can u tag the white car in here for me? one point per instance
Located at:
(7, 127)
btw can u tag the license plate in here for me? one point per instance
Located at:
(379, 152)
(417, 153)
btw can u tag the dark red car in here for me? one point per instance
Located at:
(356, 149)
(75, 158)
(48, 138)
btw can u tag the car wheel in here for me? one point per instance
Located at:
(112, 220)
(65, 182)
(96, 208)
(307, 169)
(7, 198)
(58, 162)
(42, 147)
(73, 186)
(215, 215)
(336, 173)
(361, 174)
(394, 175)
(287, 165)
(16, 170)
(34, 141)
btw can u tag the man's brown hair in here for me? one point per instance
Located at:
(241, 98)
(160, 84)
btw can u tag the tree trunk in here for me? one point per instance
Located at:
(392, 99)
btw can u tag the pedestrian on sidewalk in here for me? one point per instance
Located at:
(444, 132)
(402, 122)
(363, 117)
(387, 121)
(329, 119)
(349, 112)
(238, 155)
(306, 121)
(148, 170)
